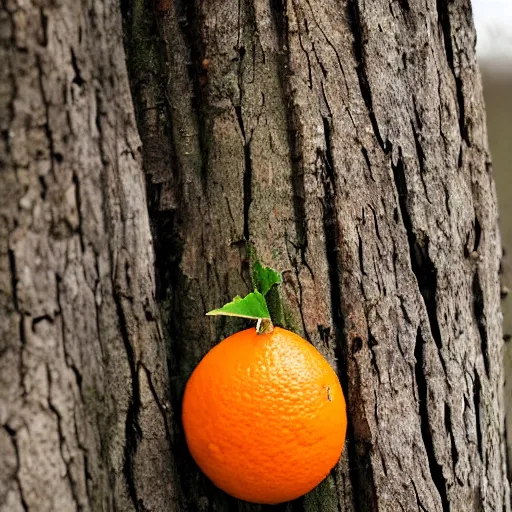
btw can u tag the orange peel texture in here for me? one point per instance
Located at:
(264, 416)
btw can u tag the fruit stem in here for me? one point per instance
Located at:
(264, 326)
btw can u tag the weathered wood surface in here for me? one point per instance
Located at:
(83, 379)
(346, 141)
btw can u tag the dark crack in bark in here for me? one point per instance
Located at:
(12, 435)
(481, 322)
(247, 166)
(436, 470)
(445, 25)
(422, 266)
(354, 17)
(133, 432)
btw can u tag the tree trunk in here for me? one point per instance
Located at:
(83, 379)
(344, 142)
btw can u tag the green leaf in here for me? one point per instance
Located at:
(252, 306)
(265, 277)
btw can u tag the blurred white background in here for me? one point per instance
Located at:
(493, 20)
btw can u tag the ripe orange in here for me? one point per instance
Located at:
(264, 416)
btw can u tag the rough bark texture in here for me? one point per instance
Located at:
(346, 141)
(83, 377)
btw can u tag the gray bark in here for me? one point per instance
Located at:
(346, 141)
(83, 377)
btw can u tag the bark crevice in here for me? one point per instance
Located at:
(295, 143)
(247, 180)
(188, 16)
(12, 436)
(355, 23)
(133, 432)
(360, 474)
(445, 25)
(62, 443)
(422, 266)
(481, 322)
(477, 402)
(436, 469)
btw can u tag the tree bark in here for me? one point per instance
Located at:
(345, 142)
(83, 376)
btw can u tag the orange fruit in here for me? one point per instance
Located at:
(264, 416)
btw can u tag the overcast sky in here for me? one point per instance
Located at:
(493, 21)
